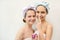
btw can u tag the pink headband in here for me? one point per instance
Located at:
(26, 8)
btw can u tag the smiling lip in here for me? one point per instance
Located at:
(31, 20)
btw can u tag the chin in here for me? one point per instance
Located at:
(42, 19)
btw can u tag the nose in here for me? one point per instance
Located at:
(39, 14)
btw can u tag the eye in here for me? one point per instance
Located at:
(37, 11)
(42, 12)
(33, 15)
(29, 16)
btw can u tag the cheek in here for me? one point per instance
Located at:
(27, 19)
(44, 15)
(37, 14)
(34, 19)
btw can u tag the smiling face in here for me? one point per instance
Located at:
(41, 12)
(30, 17)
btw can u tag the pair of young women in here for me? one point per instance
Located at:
(43, 27)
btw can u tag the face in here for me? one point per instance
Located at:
(41, 12)
(30, 17)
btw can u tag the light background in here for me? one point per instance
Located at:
(11, 17)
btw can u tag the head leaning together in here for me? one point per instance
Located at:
(44, 6)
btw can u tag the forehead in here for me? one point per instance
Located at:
(30, 12)
(41, 8)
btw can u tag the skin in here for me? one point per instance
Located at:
(27, 31)
(42, 25)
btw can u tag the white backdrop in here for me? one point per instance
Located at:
(11, 17)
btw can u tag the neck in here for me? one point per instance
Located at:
(42, 21)
(29, 26)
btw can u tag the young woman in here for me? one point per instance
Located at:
(26, 32)
(44, 28)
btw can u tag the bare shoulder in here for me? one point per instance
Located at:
(49, 25)
(49, 30)
(20, 31)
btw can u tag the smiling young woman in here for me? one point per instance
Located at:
(26, 32)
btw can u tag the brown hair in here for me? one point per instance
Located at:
(44, 7)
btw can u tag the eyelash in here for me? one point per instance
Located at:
(29, 16)
(41, 12)
(37, 11)
(33, 16)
